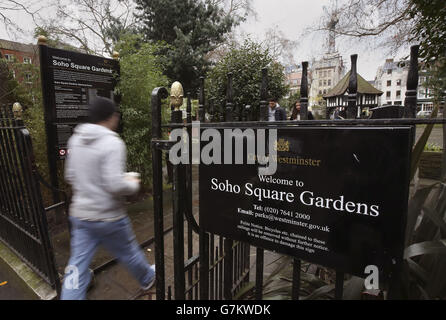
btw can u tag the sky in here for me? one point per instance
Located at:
(292, 17)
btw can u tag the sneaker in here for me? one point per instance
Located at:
(146, 290)
(92, 280)
(152, 282)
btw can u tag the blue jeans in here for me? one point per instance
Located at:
(118, 238)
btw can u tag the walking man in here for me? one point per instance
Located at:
(95, 168)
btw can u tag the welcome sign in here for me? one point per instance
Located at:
(69, 81)
(338, 197)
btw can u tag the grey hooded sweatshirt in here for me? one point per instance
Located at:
(95, 168)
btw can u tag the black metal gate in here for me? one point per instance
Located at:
(222, 265)
(23, 224)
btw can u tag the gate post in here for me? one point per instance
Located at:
(263, 110)
(228, 265)
(352, 89)
(229, 100)
(410, 103)
(157, 163)
(50, 136)
(304, 92)
(203, 235)
(201, 108)
(179, 192)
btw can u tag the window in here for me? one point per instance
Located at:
(27, 60)
(389, 71)
(388, 94)
(320, 83)
(28, 77)
(398, 82)
(9, 57)
(13, 74)
(329, 73)
(397, 103)
(325, 91)
(389, 83)
(325, 82)
(398, 94)
(329, 82)
(320, 91)
(325, 74)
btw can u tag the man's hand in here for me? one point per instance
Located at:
(133, 179)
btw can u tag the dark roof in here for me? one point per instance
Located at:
(16, 46)
(341, 87)
(33, 49)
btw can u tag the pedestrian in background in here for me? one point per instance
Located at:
(295, 115)
(275, 111)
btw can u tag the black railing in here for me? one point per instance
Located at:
(23, 224)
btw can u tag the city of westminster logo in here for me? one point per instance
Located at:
(282, 145)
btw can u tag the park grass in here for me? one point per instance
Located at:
(422, 126)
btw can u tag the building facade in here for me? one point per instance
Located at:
(15, 52)
(391, 79)
(326, 73)
(366, 97)
(293, 78)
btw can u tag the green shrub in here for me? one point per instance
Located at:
(141, 72)
(245, 63)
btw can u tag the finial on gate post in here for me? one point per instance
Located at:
(304, 92)
(263, 116)
(176, 95)
(352, 89)
(115, 55)
(201, 110)
(17, 110)
(176, 100)
(229, 99)
(410, 103)
(42, 40)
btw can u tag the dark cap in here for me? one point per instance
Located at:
(101, 109)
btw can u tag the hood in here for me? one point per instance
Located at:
(88, 132)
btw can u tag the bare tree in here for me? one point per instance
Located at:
(93, 25)
(387, 22)
(9, 8)
(280, 47)
(238, 9)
